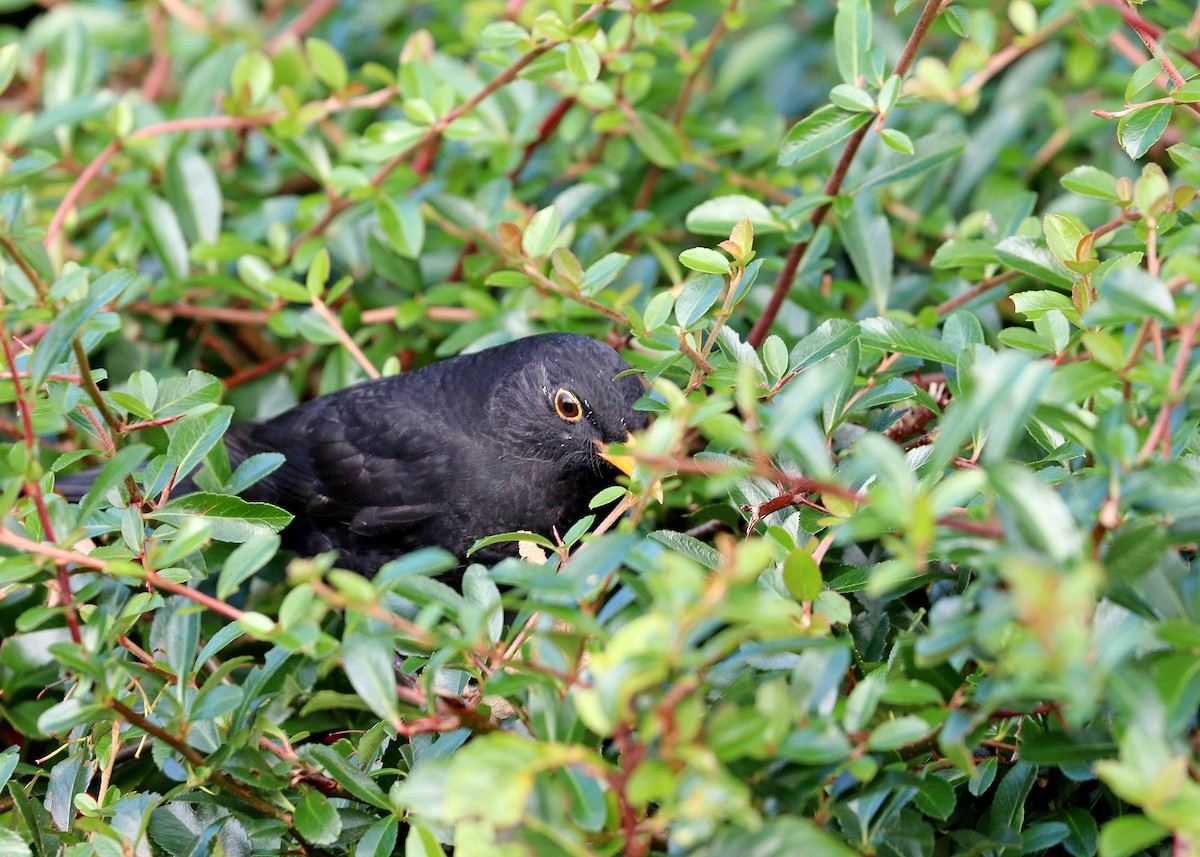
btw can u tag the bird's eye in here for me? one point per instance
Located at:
(568, 406)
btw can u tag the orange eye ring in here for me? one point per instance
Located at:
(567, 406)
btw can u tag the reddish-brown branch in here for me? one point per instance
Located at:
(308, 18)
(1006, 56)
(231, 315)
(975, 291)
(59, 555)
(549, 125)
(160, 65)
(783, 284)
(159, 582)
(344, 337)
(269, 365)
(33, 488)
(1162, 425)
(1148, 29)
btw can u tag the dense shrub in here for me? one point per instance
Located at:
(915, 289)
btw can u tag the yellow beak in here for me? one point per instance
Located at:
(626, 463)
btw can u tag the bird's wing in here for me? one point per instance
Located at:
(361, 457)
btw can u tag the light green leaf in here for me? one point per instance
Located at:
(718, 216)
(705, 261)
(539, 235)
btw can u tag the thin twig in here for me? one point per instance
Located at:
(1161, 428)
(308, 18)
(323, 310)
(975, 291)
(783, 284)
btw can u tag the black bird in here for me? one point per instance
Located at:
(514, 437)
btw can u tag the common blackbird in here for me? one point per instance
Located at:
(514, 437)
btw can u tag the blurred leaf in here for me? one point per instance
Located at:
(718, 216)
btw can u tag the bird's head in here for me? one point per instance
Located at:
(566, 405)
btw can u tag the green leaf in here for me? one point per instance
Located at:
(689, 546)
(704, 260)
(1091, 181)
(112, 474)
(890, 335)
(1083, 834)
(852, 98)
(193, 438)
(1189, 93)
(70, 321)
(11, 843)
(775, 356)
(194, 195)
(965, 253)
(718, 216)
(520, 536)
(9, 55)
(72, 712)
(897, 140)
(1055, 747)
(502, 34)
(583, 62)
(892, 734)
(253, 74)
(316, 819)
(1025, 255)
(328, 65)
(539, 235)
(602, 272)
(380, 840)
(402, 225)
(658, 310)
(1007, 811)
(697, 297)
(232, 519)
(8, 764)
(936, 797)
(852, 39)
(782, 837)
(825, 127)
(246, 560)
(937, 151)
(1139, 130)
(829, 336)
(657, 139)
(802, 575)
(349, 777)
(867, 238)
(165, 234)
(1036, 303)
(1129, 834)
(1062, 236)
(367, 661)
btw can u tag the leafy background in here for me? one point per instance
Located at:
(915, 288)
